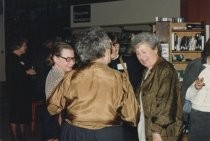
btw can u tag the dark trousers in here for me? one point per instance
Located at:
(73, 133)
(130, 133)
(199, 126)
(51, 126)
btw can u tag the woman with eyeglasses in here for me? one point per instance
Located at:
(62, 60)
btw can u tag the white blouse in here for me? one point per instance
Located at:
(201, 98)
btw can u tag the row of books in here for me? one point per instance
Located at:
(187, 43)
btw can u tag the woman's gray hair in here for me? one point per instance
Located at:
(92, 45)
(146, 37)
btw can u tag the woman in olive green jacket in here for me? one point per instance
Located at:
(159, 92)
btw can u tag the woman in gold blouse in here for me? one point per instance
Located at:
(97, 98)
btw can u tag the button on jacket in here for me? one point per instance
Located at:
(95, 97)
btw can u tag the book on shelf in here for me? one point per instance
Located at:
(180, 74)
(172, 41)
(207, 32)
(175, 42)
(165, 51)
(187, 43)
(195, 26)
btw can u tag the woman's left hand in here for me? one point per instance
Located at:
(31, 71)
(199, 83)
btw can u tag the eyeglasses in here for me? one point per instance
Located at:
(68, 59)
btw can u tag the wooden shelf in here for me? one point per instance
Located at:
(180, 62)
(188, 30)
(176, 35)
(185, 51)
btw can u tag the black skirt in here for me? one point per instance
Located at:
(73, 133)
(51, 126)
(20, 110)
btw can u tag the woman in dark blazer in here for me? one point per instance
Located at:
(18, 85)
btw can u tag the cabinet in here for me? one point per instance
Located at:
(181, 42)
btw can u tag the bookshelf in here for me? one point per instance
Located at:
(181, 42)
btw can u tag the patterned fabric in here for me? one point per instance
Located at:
(162, 102)
(53, 78)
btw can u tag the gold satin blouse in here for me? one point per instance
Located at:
(95, 97)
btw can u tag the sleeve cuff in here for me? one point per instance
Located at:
(156, 128)
(52, 109)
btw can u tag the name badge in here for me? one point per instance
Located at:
(120, 67)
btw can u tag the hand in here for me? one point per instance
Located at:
(156, 137)
(31, 71)
(199, 83)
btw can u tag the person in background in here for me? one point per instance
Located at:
(97, 98)
(39, 60)
(134, 69)
(62, 60)
(115, 52)
(161, 112)
(18, 73)
(133, 66)
(196, 86)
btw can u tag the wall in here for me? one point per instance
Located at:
(129, 12)
(2, 53)
(194, 10)
(2, 43)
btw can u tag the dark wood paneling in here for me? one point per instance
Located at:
(196, 10)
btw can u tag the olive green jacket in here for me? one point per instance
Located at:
(161, 100)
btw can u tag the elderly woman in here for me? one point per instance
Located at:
(62, 60)
(97, 98)
(161, 112)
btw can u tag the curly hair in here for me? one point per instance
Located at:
(146, 37)
(92, 45)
